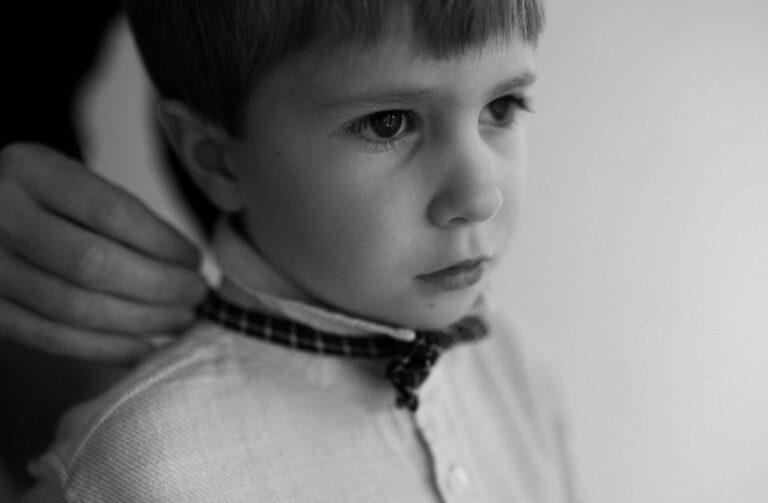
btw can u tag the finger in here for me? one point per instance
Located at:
(49, 296)
(82, 258)
(64, 186)
(27, 328)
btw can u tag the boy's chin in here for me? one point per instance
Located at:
(441, 315)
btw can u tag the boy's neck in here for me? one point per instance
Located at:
(249, 281)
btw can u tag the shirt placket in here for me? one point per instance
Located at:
(452, 468)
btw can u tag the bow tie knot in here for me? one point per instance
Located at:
(408, 372)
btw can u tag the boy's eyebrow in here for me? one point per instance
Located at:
(521, 81)
(408, 94)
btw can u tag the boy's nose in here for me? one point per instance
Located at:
(469, 192)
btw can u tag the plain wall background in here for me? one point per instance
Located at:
(640, 268)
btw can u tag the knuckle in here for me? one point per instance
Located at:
(76, 307)
(42, 337)
(86, 264)
(51, 339)
(38, 337)
(21, 325)
(112, 212)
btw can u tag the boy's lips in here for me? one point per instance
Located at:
(460, 275)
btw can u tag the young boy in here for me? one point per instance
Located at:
(369, 160)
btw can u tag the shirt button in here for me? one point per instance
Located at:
(458, 480)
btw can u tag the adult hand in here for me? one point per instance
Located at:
(86, 269)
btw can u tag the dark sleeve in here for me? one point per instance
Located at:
(47, 48)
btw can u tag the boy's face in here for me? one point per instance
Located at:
(384, 183)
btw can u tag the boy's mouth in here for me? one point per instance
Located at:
(460, 275)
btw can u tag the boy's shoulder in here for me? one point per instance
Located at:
(181, 409)
(221, 404)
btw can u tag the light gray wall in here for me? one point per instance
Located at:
(641, 265)
(643, 258)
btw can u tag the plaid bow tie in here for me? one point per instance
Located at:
(410, 362)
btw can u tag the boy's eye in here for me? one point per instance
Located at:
(502, 110)
(383, 130)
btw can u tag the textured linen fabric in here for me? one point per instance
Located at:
(219, 416)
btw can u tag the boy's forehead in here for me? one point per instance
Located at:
(398, 74)
(396, 65)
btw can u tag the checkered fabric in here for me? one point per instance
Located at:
(411, 361)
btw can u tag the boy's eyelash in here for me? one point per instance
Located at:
(523, 102)
(504, 111)
(520, 101)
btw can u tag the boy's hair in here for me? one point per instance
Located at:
(208, 53)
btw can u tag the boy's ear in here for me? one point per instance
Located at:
(203, 149)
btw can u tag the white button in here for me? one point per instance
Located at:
(458, 479)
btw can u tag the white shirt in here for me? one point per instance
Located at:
(218, 416)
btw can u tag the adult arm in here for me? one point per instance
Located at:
(85, 268)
